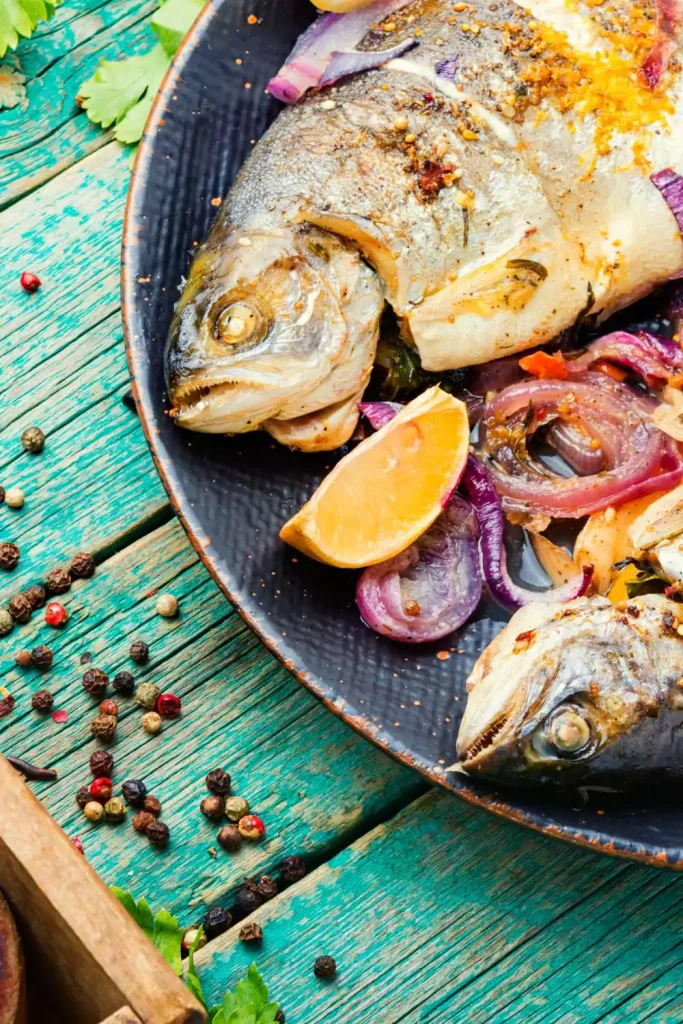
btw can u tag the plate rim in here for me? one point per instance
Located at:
(601, 842)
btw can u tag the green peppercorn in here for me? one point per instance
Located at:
(325, 967)
(33, 440)
(9, 555)
(115, 810)
(42, 701)
(36, 595)
(236, 807)
(147, 695)
(6, 622)
(20, 608)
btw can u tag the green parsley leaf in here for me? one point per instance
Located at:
(162, 929)
(172, 21)
(248, 1004)
(20, 17)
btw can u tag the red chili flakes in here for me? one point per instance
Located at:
(443, 655)
(433, 176)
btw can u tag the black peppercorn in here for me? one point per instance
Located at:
(139, 652)
(279, 1017)
(134, 792)
(216, 922)
(20, 608)
(36, 595)
(251, 932)
(157, 833)
(101, 764)
(33, 440)
(2, 495)
(248, 898)
(58, 581)
(292, 869)
(229, 838)
(83, 797)
(41, 657)
(218, 782)
(152, 805)
(82, 566)
(213, 807)
(325, 967)
(42, 701)
(95, 682)
(267, 886)
(9, 555)
(124, 684)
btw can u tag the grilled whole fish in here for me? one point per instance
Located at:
(588, 691)
(493, 186)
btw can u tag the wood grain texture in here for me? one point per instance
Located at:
(55, 133)
(315, 783)
(446, 915)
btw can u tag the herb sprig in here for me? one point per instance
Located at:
(20, 17)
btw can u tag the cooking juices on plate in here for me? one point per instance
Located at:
(501, 178)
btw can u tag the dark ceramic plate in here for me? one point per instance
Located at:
(232, 495)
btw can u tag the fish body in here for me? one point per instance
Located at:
(492, 186)
(588, 692)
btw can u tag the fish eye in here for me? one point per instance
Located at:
(239, 323)
(568, 731)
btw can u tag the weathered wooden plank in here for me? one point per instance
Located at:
(450, 915)
(315, 782)
(63, 366)
(56, 60)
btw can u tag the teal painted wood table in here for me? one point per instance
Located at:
(435, 911)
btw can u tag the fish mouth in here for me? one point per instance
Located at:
(478, 754)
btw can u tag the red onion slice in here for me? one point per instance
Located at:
(481, 491)
(652, 357)
(639, 458)
(331, 39)
(576, 448)
(432, 587)
(378, 414)
(670, 185)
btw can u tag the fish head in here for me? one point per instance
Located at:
(557, 696)
(264, 319)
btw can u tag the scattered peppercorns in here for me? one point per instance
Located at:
(292, 869)
(23, 659)
(30, 282)
(9, 555)
(190, 938)
(141, 820)
(248, 899)
(236, 807)
(268, 887)
(251, 827)
(218, 781)
(95, 682)
(139, 652)
(83, 796)
(82, 566)
(251, 932)
(33, 440)
(36, 595)
(109, 707)
(147, 695)
(167, 606)
(229, 838)
(157, 833)
(216, 922)
(169, 706)
(151, 723)
(101, 763)
(103, 727)
(42, 701)
(101, 789)
(58, 581)
(20, 608)
(213, 807)
(325, 967)
(15, 497)
(134, 792)
(152, 805)
(124, 684)
(6, 622)
(42, 657)
(56, 614)
(93, 811)
(115, 810)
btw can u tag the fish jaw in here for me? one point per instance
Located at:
(273, 324)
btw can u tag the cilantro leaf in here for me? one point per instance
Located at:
(172, 21)
(248, 1004)
(161, 929)
(20, 17)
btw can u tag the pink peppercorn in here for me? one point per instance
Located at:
(78, 844)
(101, 790)
(30, 282)
(169, 706)
(56, 614)
(251, 826)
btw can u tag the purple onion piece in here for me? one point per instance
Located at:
(432, 587)
(378, 414)
(446, 68)
(482, 493)
(575, 448)
(330, 36)
(670, 185)
(351, 62)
